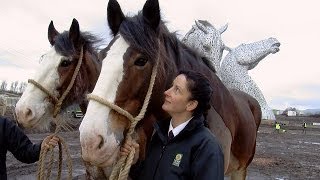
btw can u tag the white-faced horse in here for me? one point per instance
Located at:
(142, 46)
(54, 75)
(69, 70)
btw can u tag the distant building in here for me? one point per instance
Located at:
(300, 113)
(277, 112)
(291, 113)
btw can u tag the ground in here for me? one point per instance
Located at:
(282, 156)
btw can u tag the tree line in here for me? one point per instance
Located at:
(13, 87)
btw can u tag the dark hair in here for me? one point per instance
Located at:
(200, 89)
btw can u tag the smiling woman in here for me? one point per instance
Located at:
(189, 142)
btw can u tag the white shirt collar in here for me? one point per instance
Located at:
(179, 128)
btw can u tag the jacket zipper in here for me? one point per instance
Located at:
(162, 151)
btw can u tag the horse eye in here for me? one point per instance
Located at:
(65, 63)
(206, 47)
(140, 62)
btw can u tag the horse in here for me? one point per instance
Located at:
(53, 78)
(141, 46)
(55, 74)
(234, 69)
(206, 39)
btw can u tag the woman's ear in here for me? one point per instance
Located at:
(192, 105)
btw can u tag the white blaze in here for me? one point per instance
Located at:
(95, 121)
(46, 75)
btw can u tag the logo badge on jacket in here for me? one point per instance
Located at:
(177, 160)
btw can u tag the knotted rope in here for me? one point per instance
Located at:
(121, 170)
(61, 144)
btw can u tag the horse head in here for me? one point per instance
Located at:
(124, 81)
(249, 55)
(57, 67)
(142, 47)
(206, 39)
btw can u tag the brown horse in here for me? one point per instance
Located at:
(141, 43)
(55, 72)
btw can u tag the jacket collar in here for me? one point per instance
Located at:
(162, 127)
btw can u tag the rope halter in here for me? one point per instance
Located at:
(133, 120)
(62, 144)
(122, 167)
(58, 102)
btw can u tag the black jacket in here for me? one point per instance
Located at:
(193, 154)
(13, 139)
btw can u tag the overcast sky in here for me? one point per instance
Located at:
(290, 77)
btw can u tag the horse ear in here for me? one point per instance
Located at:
(223, 29)
(52, 33)
(151, 13)
(202, 27)
(115, 16)
(74, 32)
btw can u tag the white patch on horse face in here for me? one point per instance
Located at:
(35, 99)
(96, 120)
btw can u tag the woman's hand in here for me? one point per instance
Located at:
(128, 146)
(50, 142)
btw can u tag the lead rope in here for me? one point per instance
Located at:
(121, 170)
(61, 144)
(43, 153)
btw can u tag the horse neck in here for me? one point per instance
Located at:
(93, 67)
(215, 57)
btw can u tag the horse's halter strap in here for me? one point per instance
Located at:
(122, 167)
(134, 120)
(58, 102)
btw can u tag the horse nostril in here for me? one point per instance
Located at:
(101, 142)
(28, 112)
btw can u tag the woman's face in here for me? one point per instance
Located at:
(177, 97)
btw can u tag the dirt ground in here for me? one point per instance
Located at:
(286, 155)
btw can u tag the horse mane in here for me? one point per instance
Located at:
(143, 38)
(140, 36)
(65, 47)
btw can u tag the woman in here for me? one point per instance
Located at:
(13, 139)
(182, 147)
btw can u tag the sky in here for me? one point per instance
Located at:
(289, 78)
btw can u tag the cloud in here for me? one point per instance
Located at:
(301, 104)
(11, 73)
(287, 73)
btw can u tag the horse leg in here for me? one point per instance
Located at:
(223, 135)
(239, 174)
(226, 148)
